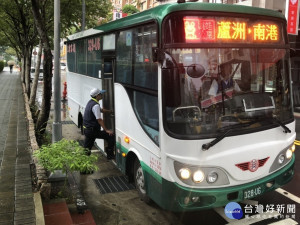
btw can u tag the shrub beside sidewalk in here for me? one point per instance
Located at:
(65, 155)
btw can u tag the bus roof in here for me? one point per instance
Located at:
(158, 13)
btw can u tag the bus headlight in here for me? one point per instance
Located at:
(185, 173)
(281, 158)
(198, 176)
(212, 177)
(289, 153)
(293, 148)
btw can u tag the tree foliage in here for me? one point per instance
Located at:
(129, 9)
(71, 14)
(18, 29)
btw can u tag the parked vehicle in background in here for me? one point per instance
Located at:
(32, 73)
(63, 66)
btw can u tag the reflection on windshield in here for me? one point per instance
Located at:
(238, 86)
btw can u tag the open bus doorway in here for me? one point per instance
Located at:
(108, 98)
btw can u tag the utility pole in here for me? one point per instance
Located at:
(57, 129)
(83, 16)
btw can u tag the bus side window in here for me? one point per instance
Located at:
(146, 76)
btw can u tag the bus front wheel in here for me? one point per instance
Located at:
(139, 180)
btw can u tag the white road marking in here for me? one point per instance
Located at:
(288, 195)
(255, 218)
(288, 221)
(261, 216)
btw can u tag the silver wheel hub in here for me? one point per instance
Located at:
(140, 181)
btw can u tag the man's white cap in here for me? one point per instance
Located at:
(95, 91)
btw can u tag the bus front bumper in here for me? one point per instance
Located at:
(180, 198)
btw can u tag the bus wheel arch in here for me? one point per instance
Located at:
(130, 159)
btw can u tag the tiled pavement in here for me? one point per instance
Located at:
(16, 196)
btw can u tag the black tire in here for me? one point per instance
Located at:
(139, 181)
(81, 129)
(80, 122)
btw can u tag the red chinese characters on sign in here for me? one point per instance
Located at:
(155, 164)
(197, 29)
(93, 44)
(292, 16)
(71, 48)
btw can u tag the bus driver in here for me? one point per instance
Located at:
(226, 82)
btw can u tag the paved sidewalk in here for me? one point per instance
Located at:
(16, 196)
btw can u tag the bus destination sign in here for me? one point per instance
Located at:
(228, 30)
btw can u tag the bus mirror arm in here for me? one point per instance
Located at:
(158, 55)
(163, 57)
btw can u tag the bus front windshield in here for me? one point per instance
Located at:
(207, 91)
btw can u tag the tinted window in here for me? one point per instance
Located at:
(71, 54)
(124, 57)
(93, 56)
(81, 56)
(145, 71)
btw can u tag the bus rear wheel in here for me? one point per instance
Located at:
(139, 180)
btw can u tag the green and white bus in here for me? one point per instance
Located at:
(187, 142)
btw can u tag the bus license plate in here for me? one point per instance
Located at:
(251, 193)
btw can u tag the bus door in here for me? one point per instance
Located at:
(108, 97)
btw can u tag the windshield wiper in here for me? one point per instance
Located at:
(233, 127)
(218, 139)
(225, 133)
(277, 121)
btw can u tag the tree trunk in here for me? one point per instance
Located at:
(27, 71)
(36, 77)
(41, 123)
(23, 69)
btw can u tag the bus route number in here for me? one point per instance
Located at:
(252, 192)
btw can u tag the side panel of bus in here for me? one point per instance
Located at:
(79, 87)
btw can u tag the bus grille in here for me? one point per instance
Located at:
(245, 166)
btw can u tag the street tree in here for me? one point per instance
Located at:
(16, 24)
(22, 31)
(129, 9)
(43, 13)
